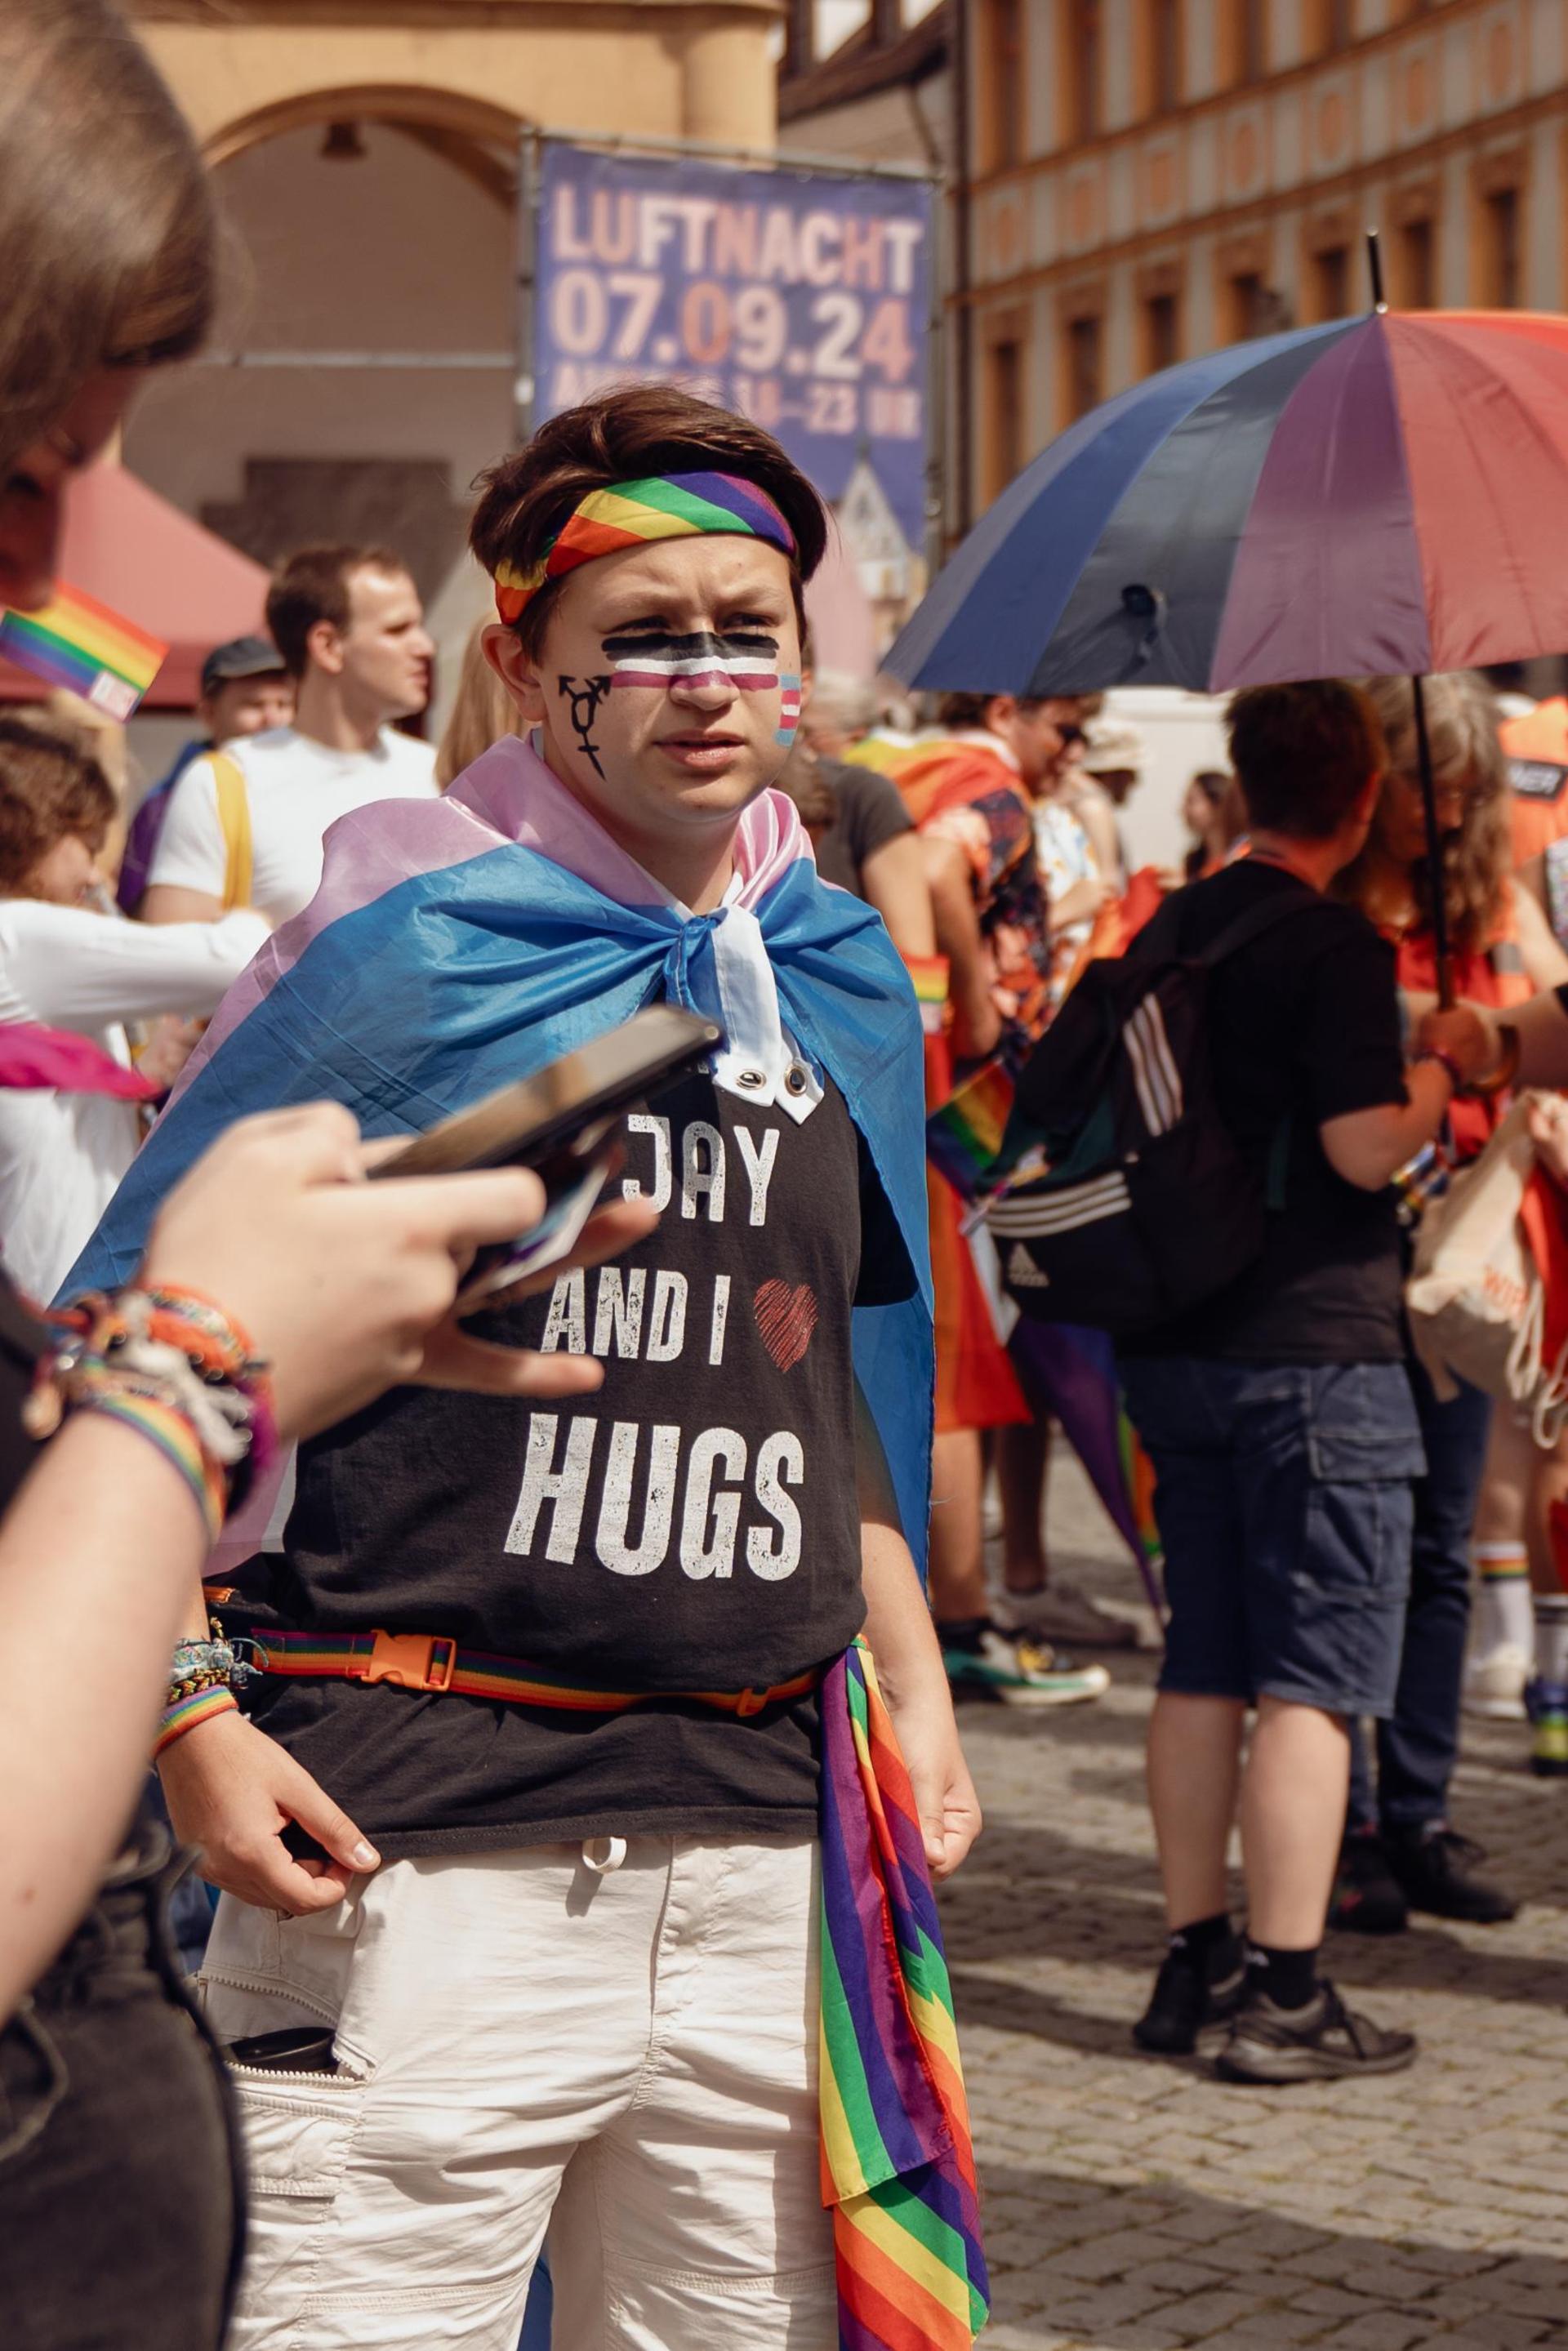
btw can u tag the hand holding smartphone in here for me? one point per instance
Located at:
(563, 1123)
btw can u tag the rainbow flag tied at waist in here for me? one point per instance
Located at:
(457, 943)
(898, 2169)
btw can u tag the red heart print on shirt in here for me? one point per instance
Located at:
(786, 1317)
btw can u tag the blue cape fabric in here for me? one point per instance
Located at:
(455, 982)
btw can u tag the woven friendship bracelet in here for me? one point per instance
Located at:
(171, 1365)
(183, 1714)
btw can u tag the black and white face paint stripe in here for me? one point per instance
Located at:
(744, 659)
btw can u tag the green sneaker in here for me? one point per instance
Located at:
(1007, 1666)
(1547, 1706)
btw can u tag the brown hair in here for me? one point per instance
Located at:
(49, 787)
(482, 713)
(313, 585)
(105, 223)
(1462, 720)
(623, 436)
(1303, 754)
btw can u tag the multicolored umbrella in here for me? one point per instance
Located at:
(1385, 493)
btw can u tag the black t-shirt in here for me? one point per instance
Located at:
(692, 1525)
(1306, 1028)
(870, 812)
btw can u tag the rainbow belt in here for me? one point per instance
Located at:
(898, 2169)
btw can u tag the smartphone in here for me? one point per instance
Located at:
(563, 1123)
(300, 2049)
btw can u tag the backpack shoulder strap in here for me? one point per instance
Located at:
(1251, 925)
(234, 818)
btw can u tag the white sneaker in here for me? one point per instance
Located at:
(1061, 1612)
(1007, 1666)
(1494, 1684)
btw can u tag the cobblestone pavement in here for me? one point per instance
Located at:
(1132, 2204)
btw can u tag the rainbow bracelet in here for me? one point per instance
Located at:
(183, 1714)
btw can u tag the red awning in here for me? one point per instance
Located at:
(135, 552)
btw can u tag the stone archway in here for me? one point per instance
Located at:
(475, 135)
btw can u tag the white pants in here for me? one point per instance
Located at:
(626, 2054)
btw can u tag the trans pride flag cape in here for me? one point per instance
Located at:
(456, 944)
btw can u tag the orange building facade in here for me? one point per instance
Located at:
(1150, 179)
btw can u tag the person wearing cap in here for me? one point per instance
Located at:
(245, 690)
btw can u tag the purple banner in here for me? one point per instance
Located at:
(801, 300)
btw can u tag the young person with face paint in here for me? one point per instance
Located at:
(584, 1674)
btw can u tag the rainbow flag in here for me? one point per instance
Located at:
(75, 642)
(964, 1138)
(898, 2169)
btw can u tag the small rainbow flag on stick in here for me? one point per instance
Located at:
(964, 1138)
(74, 642)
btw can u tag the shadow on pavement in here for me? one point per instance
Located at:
(1132, 2265)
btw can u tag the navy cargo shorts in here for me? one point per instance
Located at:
(1285, 1511)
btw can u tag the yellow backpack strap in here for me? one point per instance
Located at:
(233, 816)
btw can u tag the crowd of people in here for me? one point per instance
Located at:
(564, 1697)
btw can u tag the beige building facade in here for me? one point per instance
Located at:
(1150, 179)
(365, 160)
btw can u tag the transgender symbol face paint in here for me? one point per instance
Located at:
(788, 709)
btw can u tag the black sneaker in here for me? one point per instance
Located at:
(1189, 1994)
(1320, 2043)
(1367, 1897)
(1436, 1866)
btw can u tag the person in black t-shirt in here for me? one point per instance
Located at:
(1277, 1414)
(581, 1987)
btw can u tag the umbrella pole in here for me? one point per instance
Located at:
(1434, 849)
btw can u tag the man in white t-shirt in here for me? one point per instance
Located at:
(349, 626)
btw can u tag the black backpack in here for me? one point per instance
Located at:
(1146, 1205)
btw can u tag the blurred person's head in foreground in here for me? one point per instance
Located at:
(1470, 777)
(349, 625)
(837, 710)
(106, 257)
(1114, 755)
(245, 690)
(482, 713)
(666, 675)
(1310, 761)
(56, 809)
(1034, 729)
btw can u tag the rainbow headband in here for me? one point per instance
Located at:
(631, 514)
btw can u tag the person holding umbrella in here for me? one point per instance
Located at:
(1401, 1851)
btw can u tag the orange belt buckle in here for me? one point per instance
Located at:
(751, 1701)
(409, 1660)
